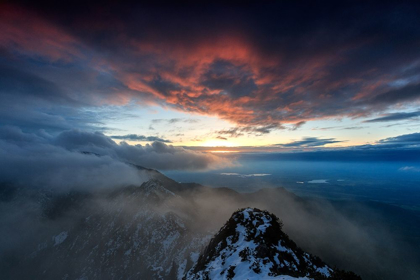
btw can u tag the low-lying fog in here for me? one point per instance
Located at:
(375, 240)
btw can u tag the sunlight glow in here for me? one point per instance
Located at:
(222, 152)
(218, 143)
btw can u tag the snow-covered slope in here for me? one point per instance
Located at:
(251, 245)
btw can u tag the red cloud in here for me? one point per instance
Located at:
(228, 73)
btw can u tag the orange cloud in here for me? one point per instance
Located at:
(248, 79)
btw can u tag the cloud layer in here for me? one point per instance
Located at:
(83, 160)
(136, 137)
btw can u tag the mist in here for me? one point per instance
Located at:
(54, 185)
(352, 236)
(364, 238)
(356, 236)
(64, 162)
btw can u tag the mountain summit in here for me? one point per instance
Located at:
(252, 245)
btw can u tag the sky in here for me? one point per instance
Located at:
(319, 97)
(272, 76)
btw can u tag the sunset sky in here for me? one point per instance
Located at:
(277, 76)
(130, 132)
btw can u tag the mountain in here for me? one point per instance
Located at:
(252, 245)
(158, 230)
(135, 232)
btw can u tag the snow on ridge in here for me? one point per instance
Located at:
(243, 249)
(156, 187)
(59, 238)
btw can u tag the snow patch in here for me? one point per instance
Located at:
(58, 239)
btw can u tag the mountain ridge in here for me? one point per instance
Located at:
(66, 226)
(252, 245)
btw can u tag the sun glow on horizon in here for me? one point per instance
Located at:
(218, 143)
(222, 151)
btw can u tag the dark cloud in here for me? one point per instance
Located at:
(395, 117)
(221, 138)
(403, 148)
(33, 102)
(136, 137)
(229, 79)
(297, 125)
(254, 65)
(403, 140)
(242, 130)
(16, 83)
(54, 98)
(310, 142)
(164, 87)
(407, 93)
(231, 132)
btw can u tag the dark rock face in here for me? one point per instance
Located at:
(252, 245)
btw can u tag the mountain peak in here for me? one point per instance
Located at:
(155, 187)
(252, 245)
